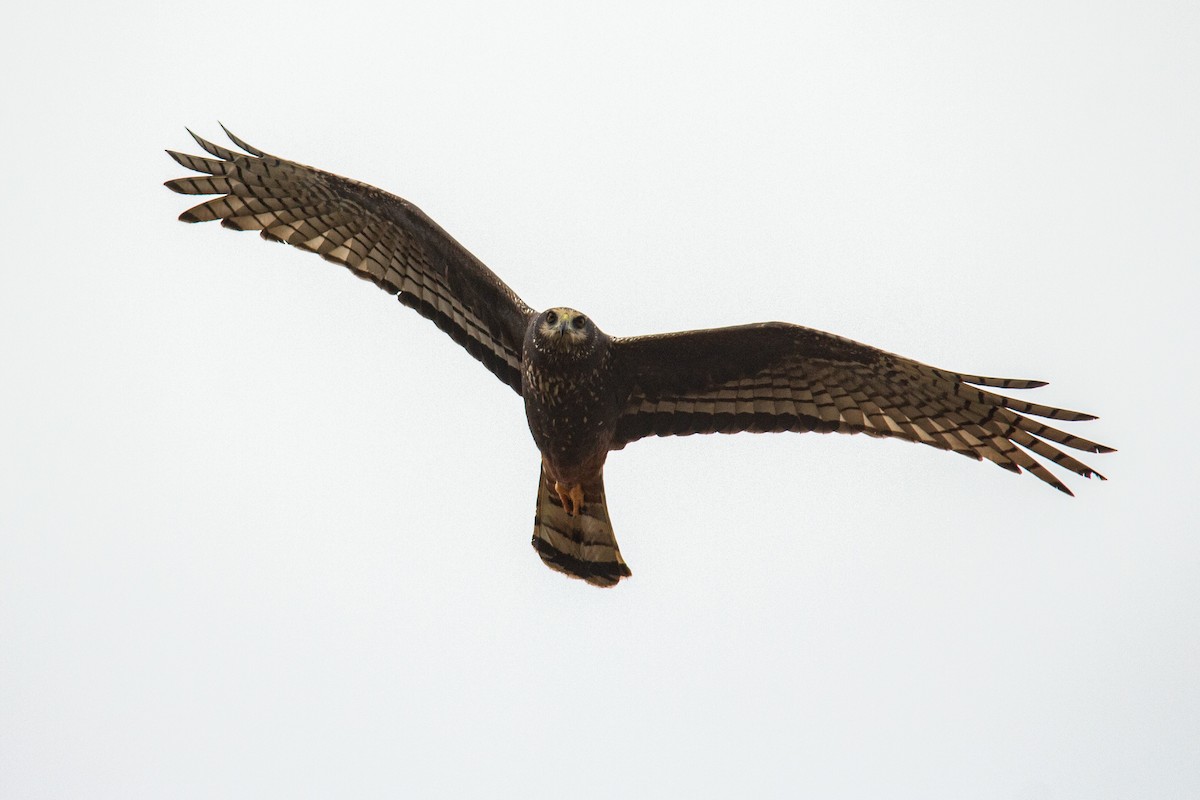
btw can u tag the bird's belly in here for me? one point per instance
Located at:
(573, 434)
(570, 463)
(572, 446)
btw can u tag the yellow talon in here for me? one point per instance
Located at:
(571, 498)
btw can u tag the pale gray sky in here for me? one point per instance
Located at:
(265, 532)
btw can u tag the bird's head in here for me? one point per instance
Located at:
(565, 331)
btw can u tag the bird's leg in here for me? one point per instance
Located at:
(571, 497)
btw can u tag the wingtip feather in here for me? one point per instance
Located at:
(199, 140)
(180, 158)
(254, 151)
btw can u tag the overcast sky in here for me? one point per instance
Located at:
(265, 533)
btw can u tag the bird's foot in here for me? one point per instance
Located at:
(571, 498)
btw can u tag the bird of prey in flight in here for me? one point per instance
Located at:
(587, 393)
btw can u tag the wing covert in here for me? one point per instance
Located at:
(378, 236)
(775, 377)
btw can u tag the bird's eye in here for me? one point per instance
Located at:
(551, 318)
(579, 322)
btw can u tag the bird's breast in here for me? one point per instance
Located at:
(571, 416)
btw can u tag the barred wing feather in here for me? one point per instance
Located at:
(380, 237)
(780, 377)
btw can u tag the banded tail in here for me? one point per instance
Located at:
(583, 546)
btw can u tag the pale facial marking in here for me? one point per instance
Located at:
(564, 328)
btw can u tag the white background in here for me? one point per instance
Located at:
(264, 532)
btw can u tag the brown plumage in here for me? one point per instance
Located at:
(587, 394)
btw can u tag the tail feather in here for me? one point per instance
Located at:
(583, 546)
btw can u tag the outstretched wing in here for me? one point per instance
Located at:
(381, 237)
(779, 377)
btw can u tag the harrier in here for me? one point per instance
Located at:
(587, 393)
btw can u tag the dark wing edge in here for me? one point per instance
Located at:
(378, 236)
(774, 377)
